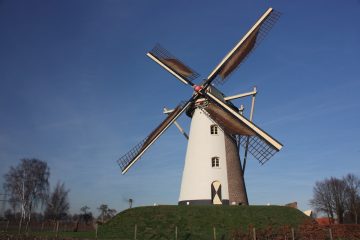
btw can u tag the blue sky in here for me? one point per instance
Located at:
(77, 90)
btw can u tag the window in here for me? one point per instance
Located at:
(215, 163)
(214, 129)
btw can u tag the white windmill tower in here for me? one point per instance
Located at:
(213, 171)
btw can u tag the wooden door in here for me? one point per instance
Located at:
(216, 193)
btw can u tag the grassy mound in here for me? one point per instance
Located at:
(196, 222)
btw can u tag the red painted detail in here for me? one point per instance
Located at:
(197, 88)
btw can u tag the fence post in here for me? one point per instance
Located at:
(176, 233)
(20, 224)
(330, 234)
(7, 225)
(135, 231)
(42, 226)
(96, 230)
(292, 233)
(214, 229)
(254, 233)
(57, 228)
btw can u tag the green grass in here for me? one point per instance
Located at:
(196, 222)
(51, 234)
(87, 234)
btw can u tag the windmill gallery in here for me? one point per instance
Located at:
(214, 175)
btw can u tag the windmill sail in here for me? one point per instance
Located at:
(244, 47)
(239, 55)
(227, 121)
(127, 160)
(172, 64)
(260, 144)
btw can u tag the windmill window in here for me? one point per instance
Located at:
(215, 162)
(214, 129)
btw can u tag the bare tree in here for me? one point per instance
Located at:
(103, 211)
(28, 185)
(106, 213)
(84, 209)
(353, 196)
(86, 215)
(9, 215)
(58, 204)
(338, 193)
(338, 197)
(111, 212)
(322, 200)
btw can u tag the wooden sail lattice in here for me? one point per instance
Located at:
(175, 64)
(136, 152)
(248, 46)
(259, 148)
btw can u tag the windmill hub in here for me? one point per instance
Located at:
(197, 88)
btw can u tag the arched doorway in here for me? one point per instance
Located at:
(216, 193)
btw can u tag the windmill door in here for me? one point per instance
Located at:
(216, 193)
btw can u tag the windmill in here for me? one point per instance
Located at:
(213, 172)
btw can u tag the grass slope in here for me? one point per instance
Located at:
(196, 222)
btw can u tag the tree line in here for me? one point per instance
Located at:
(338, 198)
(27, 186)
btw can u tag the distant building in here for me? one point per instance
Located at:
(292, 205)
(309, 213)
